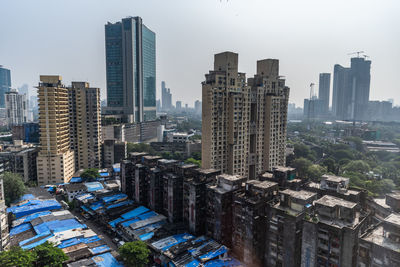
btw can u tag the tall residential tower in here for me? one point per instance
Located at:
(131, 70)
(244, 125)
(55, 162)
(16, 108)
(85, 125)
(5, 84)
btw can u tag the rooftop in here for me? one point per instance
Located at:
(395, 195)
(393, 219)
(302, 194)
(378, 238)
(331, 201)
(334, 178)
(284, 169)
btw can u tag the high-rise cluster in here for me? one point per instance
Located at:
(70, 134)
(244, 123)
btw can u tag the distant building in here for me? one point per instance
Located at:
(85, 125)
(351, 88)
(324, 92)
(197, 107)
(27, 132)
(178, 105)
(113, 152)
(21, 159)
(244, 126)
(55, 162)
(16, 108)
(5, 84)
(166, 97)
(131, 69)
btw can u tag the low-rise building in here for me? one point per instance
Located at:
(381, 246)
(330, 237)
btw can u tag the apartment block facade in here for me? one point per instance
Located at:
(244, 124)
(85, 125)
(55, 162)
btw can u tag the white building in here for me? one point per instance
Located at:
(16, 108)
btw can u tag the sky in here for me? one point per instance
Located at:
(66, 37)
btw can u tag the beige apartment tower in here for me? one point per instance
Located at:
(85, 125)
(55, 162)
(244, 124)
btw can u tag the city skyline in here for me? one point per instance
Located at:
(314, 41)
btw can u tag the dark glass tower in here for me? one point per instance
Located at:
(5, 84)
(131, 69)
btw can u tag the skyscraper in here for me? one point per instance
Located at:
(16, 108)
(323, 92)
(85, 125)
(351, 88)
(166, 97)
(131, 69)
(178, 105)
(55, 162)
(244, 125)
(5, 84)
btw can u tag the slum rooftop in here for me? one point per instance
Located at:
(331, 201)
(39, 218)
(379, 236)
(301, 195)
(334, 178)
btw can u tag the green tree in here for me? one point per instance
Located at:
(135, 254)
(90, 174)
(330, 164)
(49, 255)
(14, 187)
(196, 155)
(315, 172)
(193, 161)
(343, 154)
(301, 165)
(357, 166)
(16, 256)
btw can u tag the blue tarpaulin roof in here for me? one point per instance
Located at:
(30, 217)
(120, 204)
(37, 243)
(134, 213)
(34, 206)
(26, 197)
(75, 241)
(104, 174)
(84, 196)
(213, 254)
(20, 228)
(76, 180)
(94, 186)
(223, 263)
(100, 249)
(117, 169)
(147, 215)
(115, 222)
(58, 226)
(115, 197)
(96, 205)
(106, 260)
(127, 223)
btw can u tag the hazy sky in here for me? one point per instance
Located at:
(307, 36)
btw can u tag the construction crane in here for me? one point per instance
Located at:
(358, 53)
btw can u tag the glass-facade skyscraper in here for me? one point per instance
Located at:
(5, 85)
(131, 69)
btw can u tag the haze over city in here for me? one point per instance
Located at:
(308, 37)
